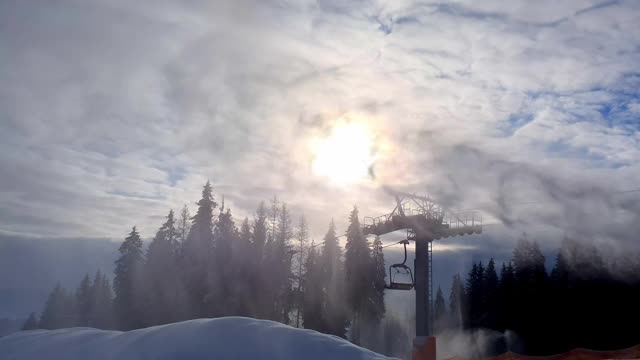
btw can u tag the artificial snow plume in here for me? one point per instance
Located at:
(221, 338)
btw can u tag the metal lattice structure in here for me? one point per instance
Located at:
(425, 221)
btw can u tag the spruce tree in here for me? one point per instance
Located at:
(562, 308)
(506, 297)
(530, 294)
(439, 312)
(128, 284)
(259, 233)
(457, 303)
(358, 277)
(163, 285)
(312, 292)
(84, 302)
(281, 257)
(378, 272)
(101, 315)
(259, 267)
(184, 224)
(335, 319)
(301, 239)
(243, 245)
(196, 254)
(243, 264)
(274, 214)
(31, 323)
(475, 295)
(58, 311)
(222, 298)
(490, 288)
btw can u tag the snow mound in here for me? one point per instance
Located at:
(223, 338)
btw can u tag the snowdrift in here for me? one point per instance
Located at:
(223, 338)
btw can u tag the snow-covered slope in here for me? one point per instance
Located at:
(223, 338)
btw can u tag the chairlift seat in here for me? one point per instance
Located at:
(399, 286)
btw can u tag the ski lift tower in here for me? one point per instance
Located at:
(425, 221)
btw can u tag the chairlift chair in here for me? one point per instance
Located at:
(401, 268)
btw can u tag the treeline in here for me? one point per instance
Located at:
(206, 265)
(587, 300)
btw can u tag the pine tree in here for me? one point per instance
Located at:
(31, 323)
(301, 238)
(184, 224)
(561, 312)
(259, 233)
(475, 295)
(128, 283)
(335, 319)
(222, 299)
(457, 303)
(84, 302)
(506, 297)
(274, 214)
(281, 256)
(261, 274)
(196, 254)
(531, 293)
(439, 311)
(358, 277)
(101, 315)
(378, 273)
(164, 291)
(244, 263)
(490, 288)
(58, 312)
(312, 292)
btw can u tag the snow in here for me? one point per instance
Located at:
(222, 338)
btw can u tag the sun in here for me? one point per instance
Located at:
(346, 155)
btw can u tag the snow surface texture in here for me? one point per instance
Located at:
(223, 338)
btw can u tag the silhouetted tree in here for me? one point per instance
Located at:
(31, 323)
(312, 293)
(376, 308)
(490, 300)
(101, 315)
(59, 310)
(259, 266)
(278, 259)
(301, 239)
(184, 224)
(439, 312)
(475, 295)
(245, 278)
(358, 277)
(457, 306)
(196, 253)
(164, 295)
(84, 301)
(222, 298)
(335, 319)
(530, 294)
(506, 297)
(128, 284)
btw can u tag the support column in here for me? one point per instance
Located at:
(424, 345)
(421, 269)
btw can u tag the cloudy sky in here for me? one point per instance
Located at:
(113, 112)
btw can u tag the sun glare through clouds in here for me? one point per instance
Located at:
(346, 154)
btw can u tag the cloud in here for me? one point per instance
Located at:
(113, 112)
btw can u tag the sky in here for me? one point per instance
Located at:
(113, 112)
